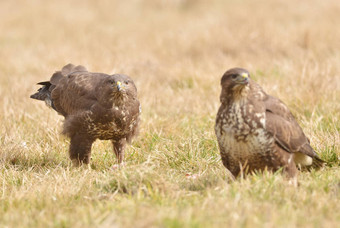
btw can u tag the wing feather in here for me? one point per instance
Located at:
(281, 123)
(70, 68)
(76, 93)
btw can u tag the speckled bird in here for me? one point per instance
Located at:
(95, 106)
(256, 131)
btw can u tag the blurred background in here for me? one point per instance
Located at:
(175, 50)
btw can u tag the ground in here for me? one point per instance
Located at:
(176, 52)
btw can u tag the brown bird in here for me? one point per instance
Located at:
(256, 131)
(95, 106)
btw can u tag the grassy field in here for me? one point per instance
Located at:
(176, 51)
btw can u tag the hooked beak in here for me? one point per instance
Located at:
(119, 86)
(243, 78)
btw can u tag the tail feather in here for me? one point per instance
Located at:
(46, 83)
(38, 96)
(318, 162)
(43, 93)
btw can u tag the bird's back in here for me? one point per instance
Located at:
(71, 90)
(77, 92)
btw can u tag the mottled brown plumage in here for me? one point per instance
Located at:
(256, 131)
(95, 106)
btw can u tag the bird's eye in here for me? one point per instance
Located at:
(126, 82)
(110, 81)
(234, 76)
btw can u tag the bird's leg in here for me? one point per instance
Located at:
(118, 148)
(80, 149)
(291, 171)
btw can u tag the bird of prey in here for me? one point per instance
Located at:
(257, 132)
(95, 106)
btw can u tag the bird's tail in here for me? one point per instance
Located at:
(318, 163)
(44, 93)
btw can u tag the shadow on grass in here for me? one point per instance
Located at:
(21, 160)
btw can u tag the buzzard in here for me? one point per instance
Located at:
(95, 106)
(256, 131)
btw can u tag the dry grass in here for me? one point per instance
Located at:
(176, 51)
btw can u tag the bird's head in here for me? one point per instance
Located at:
(234, 82)
(122, 86)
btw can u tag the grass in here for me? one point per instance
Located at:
(176, 51)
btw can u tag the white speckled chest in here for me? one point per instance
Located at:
(241, 132)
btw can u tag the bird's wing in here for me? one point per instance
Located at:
(76, 92)
(281, 123)
(70, 68)
(66, 71)
(135, 111)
